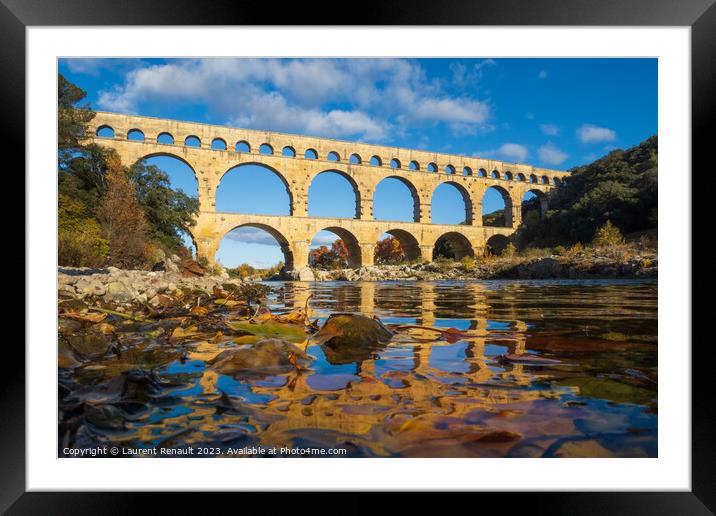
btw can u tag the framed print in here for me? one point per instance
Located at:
(419, 252)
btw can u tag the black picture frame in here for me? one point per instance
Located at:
(700, 15)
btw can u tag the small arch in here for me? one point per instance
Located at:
(545, 180)
(135, 135)
(482, 173)
(333, 156)
(520, 177)
(218, 144)
(242, 146)
(533, 179)
(466, 171)
(266, 149)
(414, 165)
(105, 131)
(508, 176)
(192, 141)
(449, 169)
(395, 163)
(452, 245)
(310, 154)
(376, 161)
(355, 159)
(165, 139)
(556, 181)
(288, 152)
(497, 244)
(348, 246)
(495, 174)
(432, 167)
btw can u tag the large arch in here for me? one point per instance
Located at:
(413, 193)
(350, 241)
(467, 202)
(408, 242)
(281, 240)
(496, 244)
(170, 155)
(507, 211)
(541, 202)
(278, 174)
(458, 244)
(344, 175)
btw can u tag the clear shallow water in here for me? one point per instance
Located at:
(579, 378)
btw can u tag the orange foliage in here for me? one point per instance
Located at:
(389, 250)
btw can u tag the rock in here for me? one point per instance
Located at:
(159, 266)
(90, 287)
(541, 268)
(118, 292)
(267, 356)
(191, 268)
(302, 274)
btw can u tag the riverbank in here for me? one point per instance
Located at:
(589, 263)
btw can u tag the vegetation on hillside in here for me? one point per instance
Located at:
(620, 188)
(109, 212)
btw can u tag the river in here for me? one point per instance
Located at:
(551, 368)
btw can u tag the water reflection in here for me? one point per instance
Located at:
(541, 369)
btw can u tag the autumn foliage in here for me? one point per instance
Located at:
(389, 250)
(334, 257)
(121, 217)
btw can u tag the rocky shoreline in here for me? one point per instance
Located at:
(125, 288)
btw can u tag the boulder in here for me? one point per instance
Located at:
(302, 274)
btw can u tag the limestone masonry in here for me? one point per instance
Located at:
(471, 176)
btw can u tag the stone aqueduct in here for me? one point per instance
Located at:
(135, 138)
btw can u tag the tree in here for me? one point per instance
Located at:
(607, 235)
(334, 258)
(443, 249)
(72, 119)
(121, 217)
(389, 250)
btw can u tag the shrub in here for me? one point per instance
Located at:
(559, 250)
(467, 263)
(79, 239)
(509, 250)
(608, 235)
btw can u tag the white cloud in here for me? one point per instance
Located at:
(513, 151)
(549, 129)
(542, 74)
(551, 155)
(589, 133)
(369, 99)
(251, 235)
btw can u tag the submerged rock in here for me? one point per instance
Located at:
(347, 338)
(267, 356)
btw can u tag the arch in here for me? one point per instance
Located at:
(288, 152)
(467, 203)
(545, 180)
(413, 192)
(105, 131)
(452, 245)
(351, 182)
(242, 146)
(135, 135)
(266, 149)
(496, 244)
(534, 200)
(281, 240)
(520, 177)
(395, 163)
(449, 169)
(495, 174)
(333, 156)
(482, 173)
(414, 165)
(508, 176)
(466, 171)
(192, 141)
(490, 215)
(533, 179)
(376, 161)
(355, 159)
(432, 167)
(165, 139)
(310, 154)
(170, 155)
(556, 181)
(350, 241)
(218, 144)
(408, 243)
(222, 183)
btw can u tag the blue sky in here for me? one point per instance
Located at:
(556, 113)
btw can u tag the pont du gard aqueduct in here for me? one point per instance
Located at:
(212, 150)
